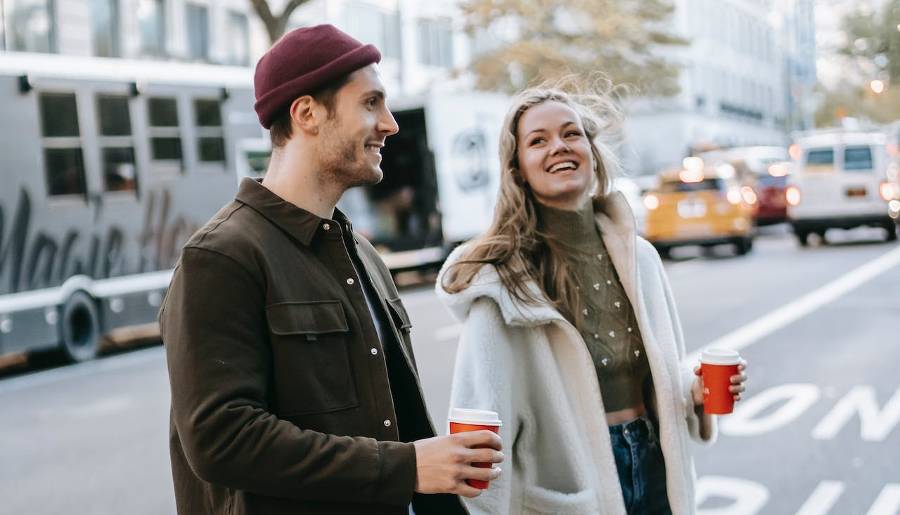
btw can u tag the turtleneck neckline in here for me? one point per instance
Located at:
(571, 228)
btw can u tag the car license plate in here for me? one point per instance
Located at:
(694, 230)
(691, 208)
(856, 192)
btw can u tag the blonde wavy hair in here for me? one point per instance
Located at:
(514, 244)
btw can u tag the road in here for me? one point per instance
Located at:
(817, 433)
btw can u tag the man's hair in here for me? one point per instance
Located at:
(280, 131)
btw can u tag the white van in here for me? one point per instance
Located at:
(841, 181)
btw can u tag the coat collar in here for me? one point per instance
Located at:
(615, 220)
(299, 223)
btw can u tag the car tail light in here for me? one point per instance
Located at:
(792, 195)
(651, 201)
(888, 191)
(749, 195)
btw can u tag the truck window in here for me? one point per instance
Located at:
(857, 158)
(61, 140)
(165, 136)
(116, 143)
(210, 136)
(820, 156)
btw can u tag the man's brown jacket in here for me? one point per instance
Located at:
(281, 398)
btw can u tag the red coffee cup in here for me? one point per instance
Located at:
(462, 420)
(717, 365)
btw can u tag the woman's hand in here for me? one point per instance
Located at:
(737, 384)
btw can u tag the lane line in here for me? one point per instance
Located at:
(888, 501)
(823, 498)
(767, 324)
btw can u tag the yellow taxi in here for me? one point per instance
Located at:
(700, 204)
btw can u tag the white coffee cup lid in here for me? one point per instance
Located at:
(720, 356)
(475, 417)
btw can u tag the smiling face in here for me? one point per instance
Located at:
(350, 142)
(554, 155)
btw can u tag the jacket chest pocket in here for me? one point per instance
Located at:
(311, 363)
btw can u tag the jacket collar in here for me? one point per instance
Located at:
(615, 220)
(299, 223)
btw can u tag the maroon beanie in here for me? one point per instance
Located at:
(303, 61)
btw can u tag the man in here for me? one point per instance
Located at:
(294, 387)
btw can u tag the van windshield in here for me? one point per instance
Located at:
(857, 158)
(704, 185)
(820, 156)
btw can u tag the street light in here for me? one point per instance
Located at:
(877, 86)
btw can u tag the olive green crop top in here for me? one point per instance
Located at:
(607, 323)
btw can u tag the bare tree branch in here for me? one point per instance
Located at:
(275, 25)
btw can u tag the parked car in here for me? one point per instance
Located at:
(763, 168)
(842, 180)
(700, 204)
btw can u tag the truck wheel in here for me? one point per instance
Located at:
(803, 238)
(664, 252)
(891, 229)
(80, 328)
(743, 246)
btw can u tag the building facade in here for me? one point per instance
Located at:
(420, 42)
(204, 31)
(734, 85)
(746, 75)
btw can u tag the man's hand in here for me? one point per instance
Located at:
(443, 463)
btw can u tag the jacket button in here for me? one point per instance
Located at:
(326, 227)
(374, 351)
(350, 281)
(387, 423)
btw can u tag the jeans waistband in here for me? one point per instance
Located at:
(638, 429)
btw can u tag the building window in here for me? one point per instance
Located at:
(105, 27)
(371, 24)
(210, 136)
(152, 23)
(435, 42)
(31, 25)
(116, 143)
(238, 39)
(197, 23)
(390, 41)
(61, 140)
(165, 137)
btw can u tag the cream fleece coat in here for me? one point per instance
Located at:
(531, 366)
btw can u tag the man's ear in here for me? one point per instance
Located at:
(304, 114)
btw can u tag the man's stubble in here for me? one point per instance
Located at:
(340, 159)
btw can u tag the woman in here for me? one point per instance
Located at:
(570, 330)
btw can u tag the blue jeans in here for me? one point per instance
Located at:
(642, 470)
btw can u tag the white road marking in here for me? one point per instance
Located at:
(823, 498)
(747, 497)
(875, 424)
(792, 400)
(767, 324)
(888, 501)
